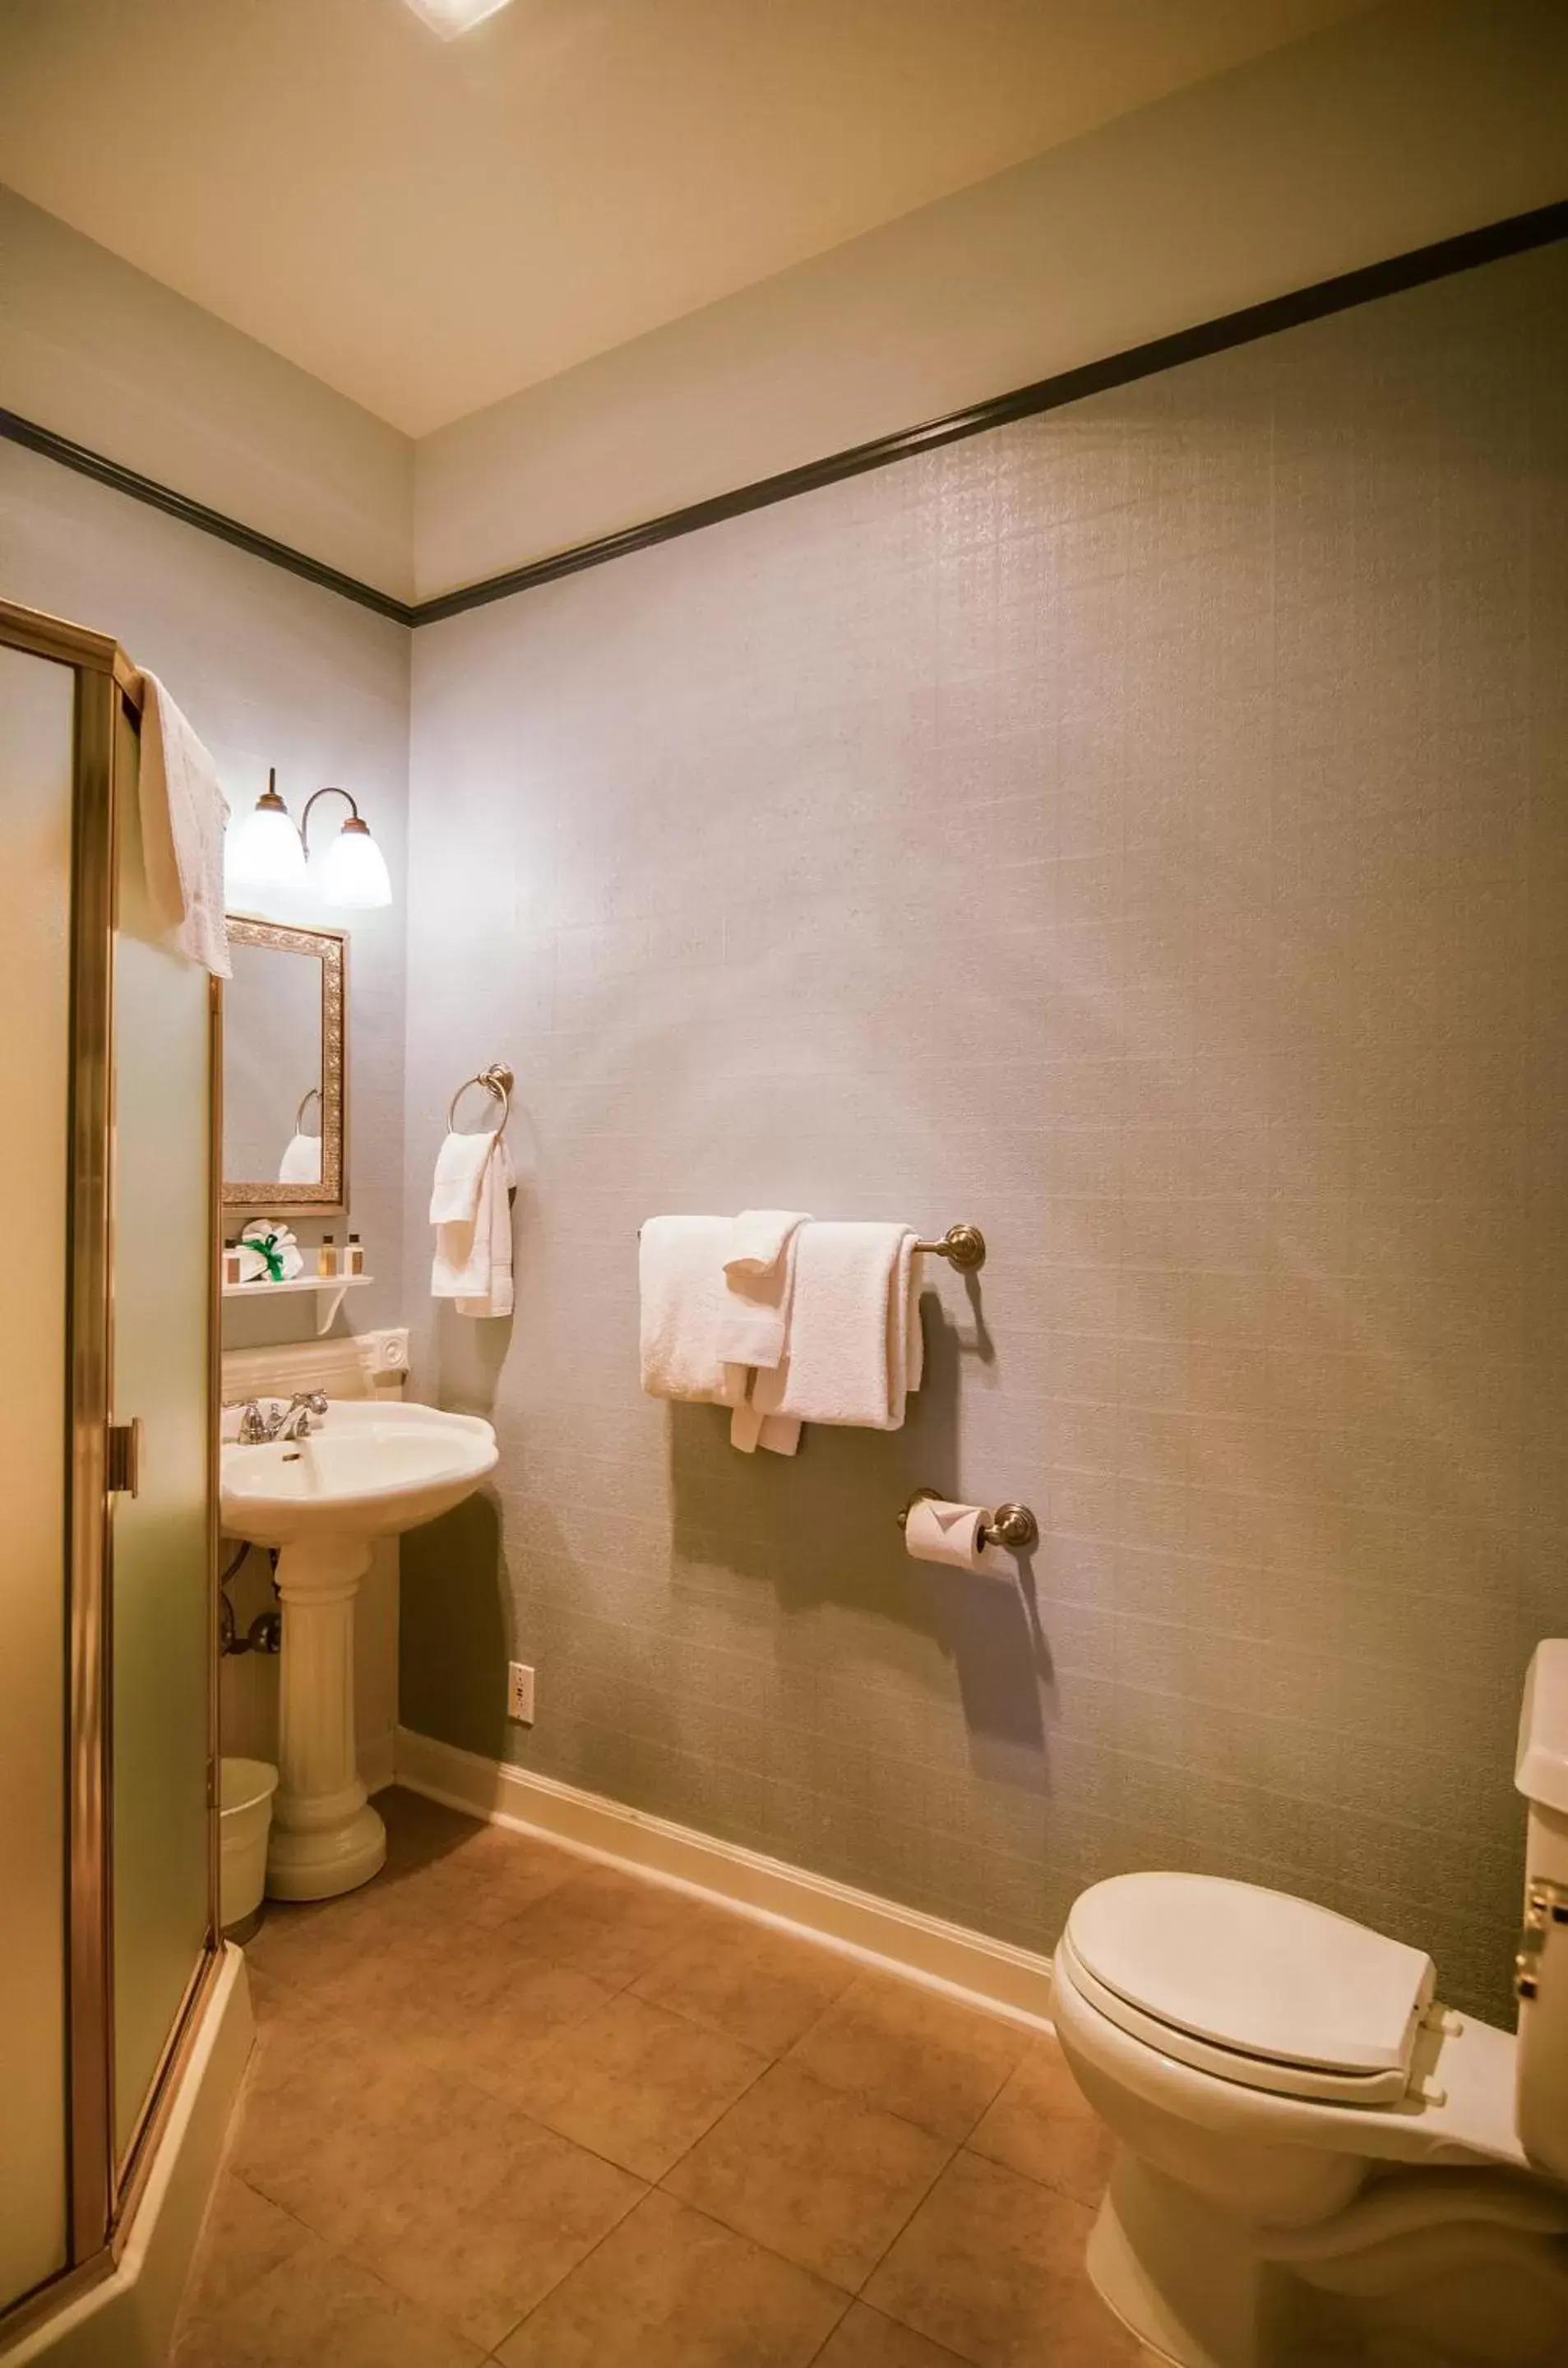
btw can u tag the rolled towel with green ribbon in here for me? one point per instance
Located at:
(275, 1245)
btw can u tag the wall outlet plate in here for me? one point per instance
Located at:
(520, 1691)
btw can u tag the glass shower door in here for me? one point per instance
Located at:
(164, 1263)
(36, 787)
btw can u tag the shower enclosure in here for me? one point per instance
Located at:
(108, 1653)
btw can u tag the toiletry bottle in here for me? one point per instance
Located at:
(231, 1260)
(354, 1256)
(326, 1257)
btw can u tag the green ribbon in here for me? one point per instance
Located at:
(268, 1245)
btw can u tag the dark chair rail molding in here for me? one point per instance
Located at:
(1516, 235)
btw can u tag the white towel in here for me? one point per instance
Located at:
(300, 1162)
(760, 1277)
(182, 820)
(680, 1264)
(459, 1172)
(855, 1348)
(473, 1255)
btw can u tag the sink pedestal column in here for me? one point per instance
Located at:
(326, 1836)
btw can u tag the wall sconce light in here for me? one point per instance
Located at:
(351, 871)
(266, 851)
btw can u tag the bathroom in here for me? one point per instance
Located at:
(983, 665)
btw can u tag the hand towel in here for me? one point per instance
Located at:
(680, 1263)
(855, 1348)
(473, 1255)
(300, 1162)
(750, 1430)
(760, 1275)
(460, 1171)
(182, 820)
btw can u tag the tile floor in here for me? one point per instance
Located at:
(511, 2105)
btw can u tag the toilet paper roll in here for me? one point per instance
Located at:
(937, 1532)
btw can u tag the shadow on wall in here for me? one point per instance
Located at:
(821, 1527)
(455, 1606)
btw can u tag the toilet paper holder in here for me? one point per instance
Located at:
(1011, 1526)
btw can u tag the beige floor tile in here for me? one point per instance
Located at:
(638, 2084)
(607, 1924)
(865, 2338)
(819, 2176)
(421, 1830)
(913, 2052)
(495, 2037)
(319, 2311)
(1043, 2125)
(991, 2266)
(670, 2288)
(316, 2130)
(760, 1986)
(244, 2238)
(478, 2224)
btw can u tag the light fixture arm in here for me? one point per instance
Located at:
(331, 790)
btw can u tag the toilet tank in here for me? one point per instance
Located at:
(1540, 1773)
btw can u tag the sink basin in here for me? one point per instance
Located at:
(365, 1472)
(370, 1470)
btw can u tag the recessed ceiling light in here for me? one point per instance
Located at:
(451, 18)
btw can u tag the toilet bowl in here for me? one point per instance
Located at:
(1318, 2162)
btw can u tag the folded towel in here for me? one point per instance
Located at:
(750, 1430)
(855, 1348)
(760, 1277)
(182, 820)
(758, 1238)
(473, 1255)
(460, 1171)
(300, 1162)
(680, 1265)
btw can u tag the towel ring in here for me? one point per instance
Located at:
(498, 1081)
(305, 1101)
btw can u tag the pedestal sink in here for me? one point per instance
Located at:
(364, 1472)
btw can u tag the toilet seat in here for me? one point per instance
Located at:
(1260, 1988)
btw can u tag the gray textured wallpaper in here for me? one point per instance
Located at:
(1142, 831)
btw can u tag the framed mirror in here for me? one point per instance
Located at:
(285, 1078)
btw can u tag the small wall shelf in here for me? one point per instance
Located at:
(328, 1288)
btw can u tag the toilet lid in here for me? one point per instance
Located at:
(1255, 1972)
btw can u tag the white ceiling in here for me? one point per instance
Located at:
(429, 225)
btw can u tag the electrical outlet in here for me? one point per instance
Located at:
(520, 1691)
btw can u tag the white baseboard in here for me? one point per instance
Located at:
(127, 2319)
(990, 1973)
(377, 1757)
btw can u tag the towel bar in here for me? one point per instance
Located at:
(962, 1246)
(496, 1081)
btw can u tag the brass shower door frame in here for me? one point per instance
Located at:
(101, 2194)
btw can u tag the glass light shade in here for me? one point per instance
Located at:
(451, 18)
(351, 871)
(264, 851)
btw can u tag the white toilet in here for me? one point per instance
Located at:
(1317, 2162)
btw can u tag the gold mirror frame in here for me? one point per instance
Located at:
(329, 1198)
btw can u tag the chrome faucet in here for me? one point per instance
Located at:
(296, 1423)
(292, 1422)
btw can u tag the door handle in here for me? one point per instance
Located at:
(122, 1474)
